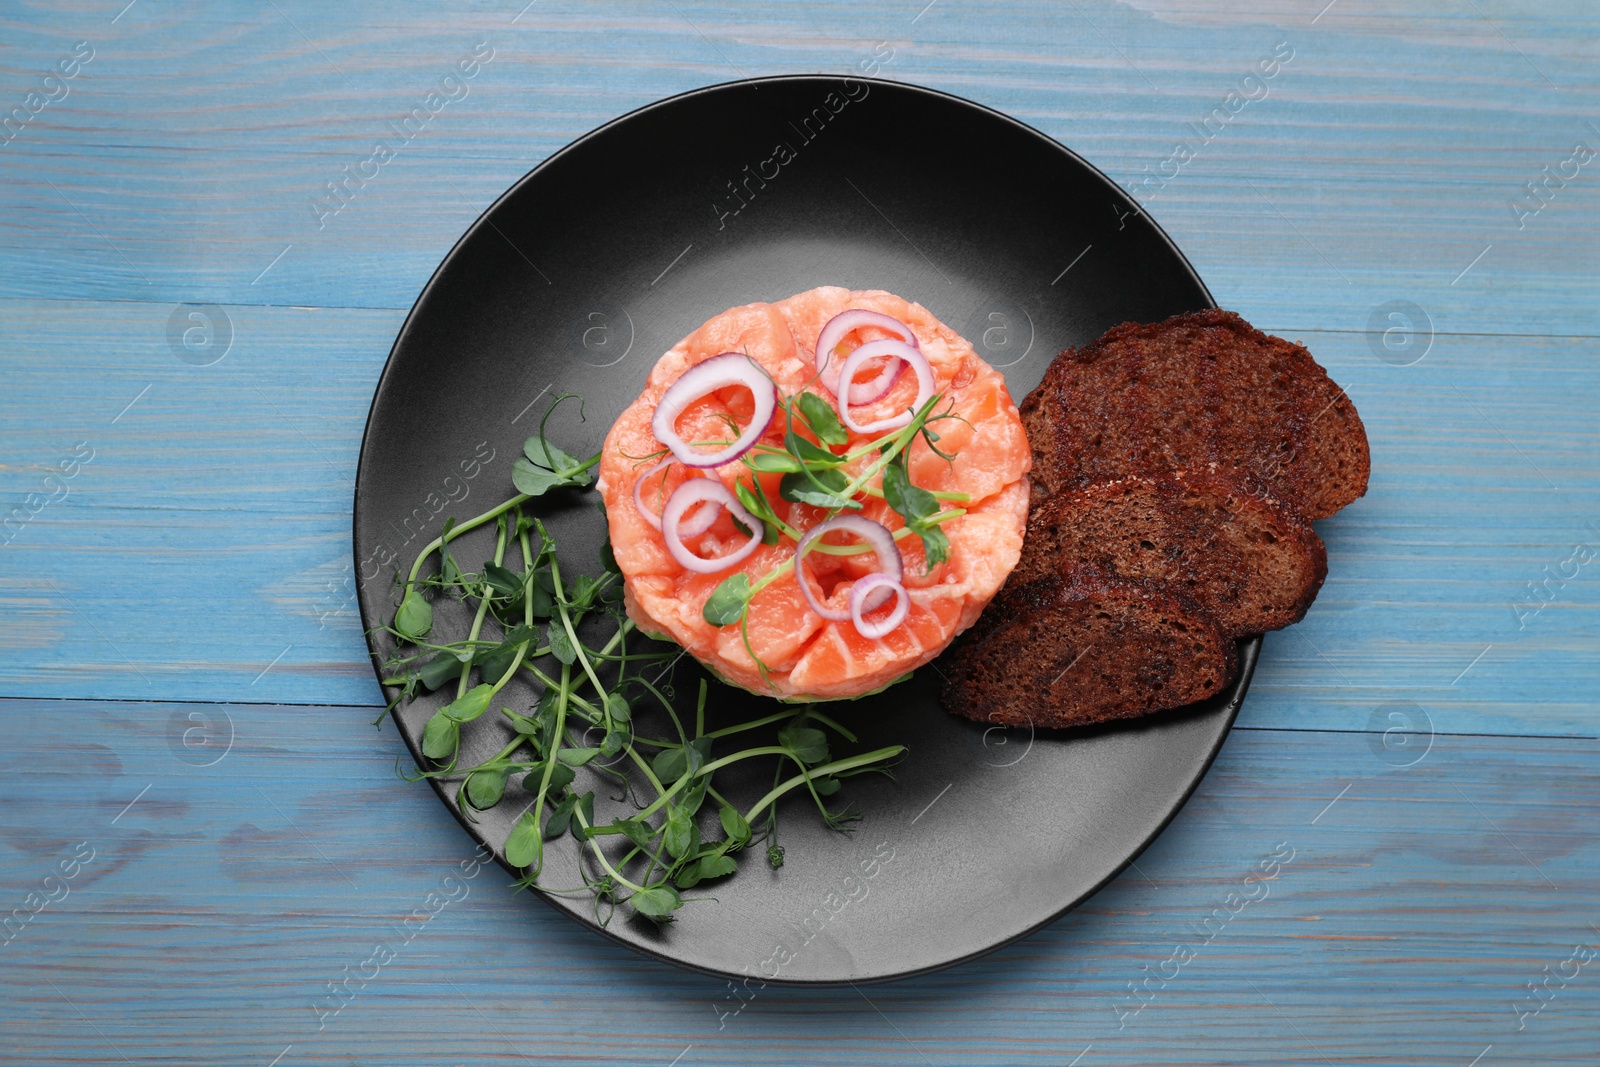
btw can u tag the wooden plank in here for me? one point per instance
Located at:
(219, 905)
(202, 553)
(1378, 163)
(209, 534)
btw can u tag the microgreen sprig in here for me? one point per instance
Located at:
(812, 473)
(668, 828)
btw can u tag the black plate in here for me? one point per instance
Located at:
(610, 251)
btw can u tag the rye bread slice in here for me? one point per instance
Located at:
(1244, 557)
(1203, 387)
(1082, 647)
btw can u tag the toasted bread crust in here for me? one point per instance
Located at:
(1177, 466)
(1202, 387)
(1243, 556)
(1082, 647)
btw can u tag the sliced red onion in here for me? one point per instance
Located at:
(877, 387)
(902, 353)
(694, 525)
(874, 534)
(687, 495)
(828, 368)
(718, 372)
(878, 583)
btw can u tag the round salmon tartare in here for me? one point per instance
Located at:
(785, 541)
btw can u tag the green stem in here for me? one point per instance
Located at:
(900, 440)
(599, 853)
(954, 498)
(577, 646)
(471, 524)
(711, 768)
(483, 609)
(644, 765)
(753, 724)
(850, 763)
(550, 757)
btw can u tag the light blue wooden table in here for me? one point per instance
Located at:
(200, 831)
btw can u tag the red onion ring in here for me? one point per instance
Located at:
(696, 524)
(901, 352)
(863, 588)
(835, 331)
(686, 496)
(718, 372)
(874, 534)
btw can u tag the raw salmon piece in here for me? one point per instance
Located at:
(806, 656)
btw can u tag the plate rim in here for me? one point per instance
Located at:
(1248, 649)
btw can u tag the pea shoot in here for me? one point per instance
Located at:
(812, 472)
(603, 754)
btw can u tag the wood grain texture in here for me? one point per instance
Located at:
(1380, 162)
(1402, 927)
(202, 554)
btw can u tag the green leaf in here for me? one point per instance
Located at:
(808, 454)
(561, 647)
(577, 757)
(561, 776)
(669, 764)
(728, 600)
(485, 788)
(440, 668)
(822, 488)
(440, 736)
(751, 502)
(540, 451)
(694, 794)
(911, 502)
(525, 846)
(504, 581)
(617, 705)
(681, 834)
(824, 421)
(916, 506)
(537, 481)
(543, 466)
(471, 704)
(560, 818)
(825, 787)
(809, 745)
(734, 824)
(657, 902)
(772, 533)
(637, 831)
(771, 462)
(520, 633)
(414, 618)
(615, 741)
(549, 699)
(525, 726)
(715, 866)
(608, 558)
(585, 809)
(494, 662)
(583, 590)
(935, 545)
(541, 595)
(697, 753)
